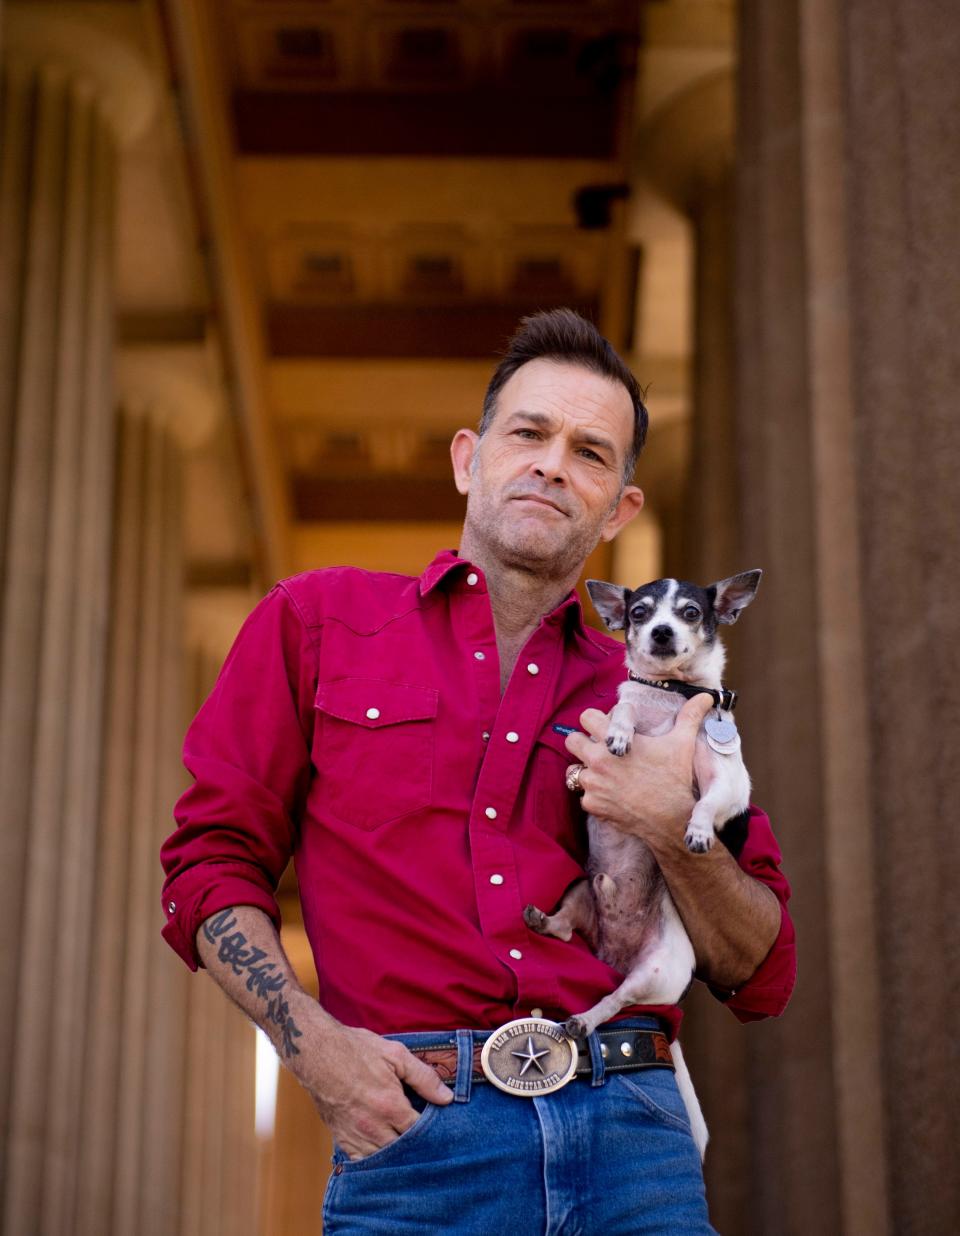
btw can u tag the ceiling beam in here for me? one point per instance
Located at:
(479, 123)
(204, 102)
(387, 498)
(458, 331)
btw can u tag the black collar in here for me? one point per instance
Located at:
(724, 699)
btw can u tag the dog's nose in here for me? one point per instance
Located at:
(662, 635)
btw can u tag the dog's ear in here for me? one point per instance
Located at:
(732, 595)
(610, 602)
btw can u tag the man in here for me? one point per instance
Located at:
(396, 736)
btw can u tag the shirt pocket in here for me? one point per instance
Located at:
(374, 749)
(557, 811)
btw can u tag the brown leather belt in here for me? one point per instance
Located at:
(623, 1051)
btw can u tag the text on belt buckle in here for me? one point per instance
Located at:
(529, 1056)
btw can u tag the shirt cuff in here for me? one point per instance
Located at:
(767, 993)
(191, 898)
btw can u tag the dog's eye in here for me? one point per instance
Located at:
(639, 613)
(690, 613)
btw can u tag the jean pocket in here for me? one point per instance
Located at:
(374, 749)
(656, 1090)
(393, 1150)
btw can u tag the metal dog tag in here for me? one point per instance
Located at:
(722, 736)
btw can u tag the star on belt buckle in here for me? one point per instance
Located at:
(529, 1057)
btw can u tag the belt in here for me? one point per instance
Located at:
(532, 1056)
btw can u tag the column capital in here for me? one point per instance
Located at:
(81, 41)
(687, 144)
(176, 385)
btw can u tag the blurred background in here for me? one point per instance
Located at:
(257, 258)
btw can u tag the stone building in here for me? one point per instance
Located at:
(255, 261)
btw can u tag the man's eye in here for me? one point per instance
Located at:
(690, 613)
(591, 455)
(526, 433)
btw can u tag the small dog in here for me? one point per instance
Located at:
(623, 907)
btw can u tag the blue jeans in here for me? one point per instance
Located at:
(611, 1155)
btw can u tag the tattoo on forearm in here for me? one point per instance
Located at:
(242, 958)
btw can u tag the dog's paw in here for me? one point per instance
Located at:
(618, 743)
(535, 919)
(575, 1028)
(697, 841)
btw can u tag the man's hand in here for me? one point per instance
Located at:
(732, 919)
(356, 1081)
(649, 791)
(354, 1077)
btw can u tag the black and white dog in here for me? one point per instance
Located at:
(623, 908)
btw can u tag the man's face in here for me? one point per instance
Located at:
(545, 482)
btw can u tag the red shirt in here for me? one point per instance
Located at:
(358, 725)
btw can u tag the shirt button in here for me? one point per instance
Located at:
(171, 906)
(533, 668)
(536, 1012)
(496, 879)
(516, 954)
(373, 713)
(485, 735)
(491, 813)
(480, 656)
(472, 578)
(513, 736)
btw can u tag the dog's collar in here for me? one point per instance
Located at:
(724, 699)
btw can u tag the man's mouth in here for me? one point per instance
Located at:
(539, 500)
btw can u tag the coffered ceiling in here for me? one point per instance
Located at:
(385, 188)
(411, 178)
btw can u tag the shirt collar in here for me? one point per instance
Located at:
(448, 561)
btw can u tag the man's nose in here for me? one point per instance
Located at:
(550, 464)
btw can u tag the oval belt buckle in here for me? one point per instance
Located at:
(529, 1057)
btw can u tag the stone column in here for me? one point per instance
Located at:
(220, 1174)
(137, 1129)
(71, 93)
(130, 1157)
(848, 306)
(686, 150)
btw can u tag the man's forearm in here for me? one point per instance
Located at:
(732, 919)
(242, 952)
(354, 1077)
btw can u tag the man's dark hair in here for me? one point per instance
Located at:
(563, 335)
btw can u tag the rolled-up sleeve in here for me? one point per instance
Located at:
(248, 750)
(768, 991)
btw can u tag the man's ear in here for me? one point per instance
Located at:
(462, 449)
(610, 601)
(629, 507)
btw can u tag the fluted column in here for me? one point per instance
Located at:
(137, 1121)
(686, 149)
(220, 1154)
(848, 305)
(57, 178)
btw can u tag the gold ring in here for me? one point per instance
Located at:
(573, 778)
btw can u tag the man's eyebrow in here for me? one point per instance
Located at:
(538, 418)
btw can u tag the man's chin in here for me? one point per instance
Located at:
(531, 550)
